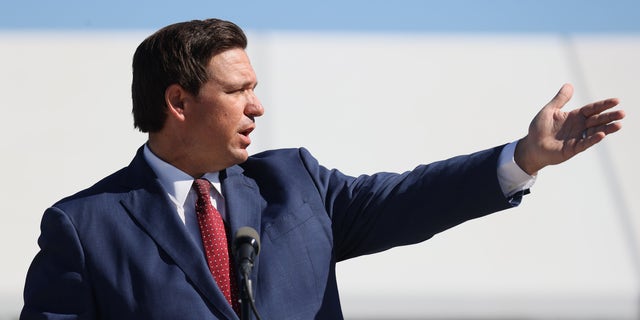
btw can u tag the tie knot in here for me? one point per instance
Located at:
(203, 187)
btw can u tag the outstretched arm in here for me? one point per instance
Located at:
(556, 136)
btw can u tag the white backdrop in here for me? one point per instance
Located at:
(364, 103)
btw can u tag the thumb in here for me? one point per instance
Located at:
(562, 97)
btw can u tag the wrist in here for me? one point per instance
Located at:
(525, 157)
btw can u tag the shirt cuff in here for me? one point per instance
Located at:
(511, 177)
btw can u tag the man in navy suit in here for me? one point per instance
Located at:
(130, 246)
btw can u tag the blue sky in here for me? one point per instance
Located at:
(564, 16)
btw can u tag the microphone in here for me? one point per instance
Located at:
(245, 248)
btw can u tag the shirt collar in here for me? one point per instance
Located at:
(176, 182)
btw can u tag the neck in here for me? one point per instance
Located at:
(173, 154)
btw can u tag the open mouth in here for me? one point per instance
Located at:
(246, 132)
(245, 136)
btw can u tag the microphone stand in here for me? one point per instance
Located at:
(246, 297)
(247, 303)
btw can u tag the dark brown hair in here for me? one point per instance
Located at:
(176, 54)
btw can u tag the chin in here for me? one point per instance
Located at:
(241, 156)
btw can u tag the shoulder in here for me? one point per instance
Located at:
(280, 158)
(106, 187)
(280, 154)
(293, 168)
(136, 176)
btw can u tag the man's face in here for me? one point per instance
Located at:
(220, 118)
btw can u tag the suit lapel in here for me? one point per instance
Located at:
(243, 199)
(244, 205)
(149, 206)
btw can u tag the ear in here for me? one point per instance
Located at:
(175, 97)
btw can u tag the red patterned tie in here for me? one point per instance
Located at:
(216, 246)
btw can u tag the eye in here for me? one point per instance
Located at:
(234, 91)
(241, 89)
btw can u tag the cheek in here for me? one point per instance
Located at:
(223, 116)
(222, 128)
(231, 117)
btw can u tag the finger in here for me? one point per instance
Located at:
(562, 97)
(595, 135)
(604, 118)
(605, 129)
(599, 107)
(589, 141)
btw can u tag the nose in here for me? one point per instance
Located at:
(254, 106)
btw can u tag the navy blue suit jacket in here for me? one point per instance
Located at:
(118, 250)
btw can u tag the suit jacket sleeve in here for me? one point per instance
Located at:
(371, 213)
(56, 285)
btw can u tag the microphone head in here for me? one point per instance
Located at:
(246, 235)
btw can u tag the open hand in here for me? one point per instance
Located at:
(556, 136)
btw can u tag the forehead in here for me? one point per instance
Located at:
(231, 66)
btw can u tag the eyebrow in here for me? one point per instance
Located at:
(238, 85)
